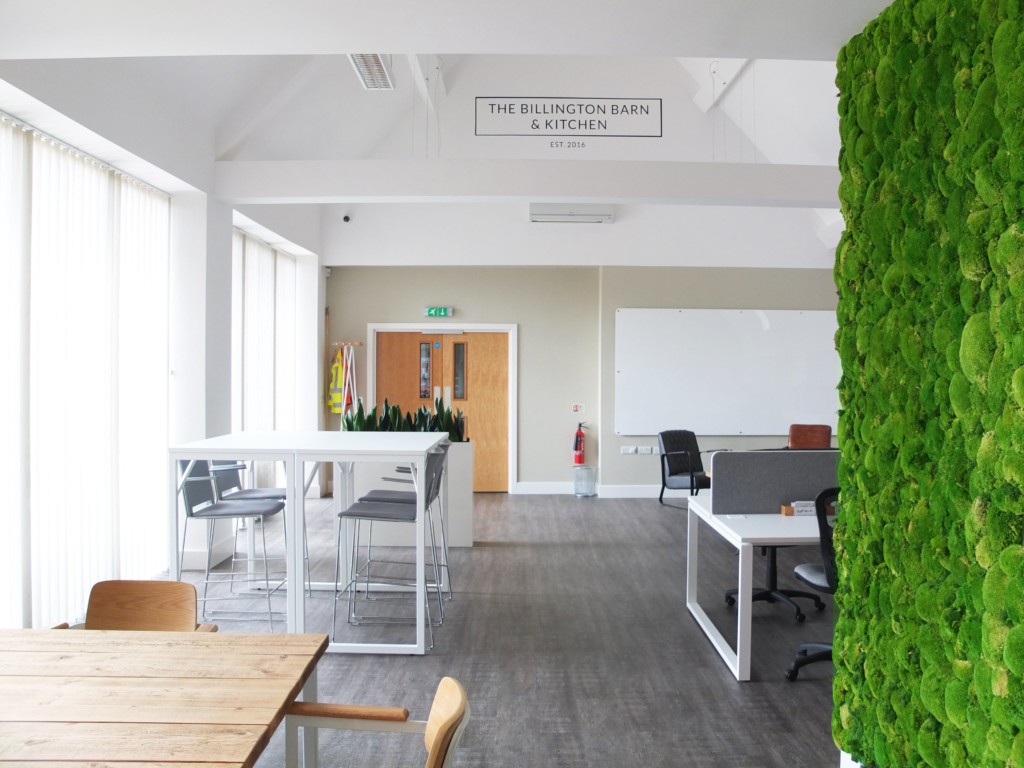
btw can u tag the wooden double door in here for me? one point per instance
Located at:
(469, 371)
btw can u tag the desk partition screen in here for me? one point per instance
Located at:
(750, 482)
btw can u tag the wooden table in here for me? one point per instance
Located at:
(81, 697)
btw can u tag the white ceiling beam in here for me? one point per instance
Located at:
(380, 181)
(263, 103)
(719, 79)
(429, 83)
(428, 79)
(780, 29)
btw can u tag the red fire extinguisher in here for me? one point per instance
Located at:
(577, 445)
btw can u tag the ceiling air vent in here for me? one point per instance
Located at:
(374, 72)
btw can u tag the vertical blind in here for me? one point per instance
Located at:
(263, 344)
(85, 395)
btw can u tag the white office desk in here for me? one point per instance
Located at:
(294, 449)
(744, 532)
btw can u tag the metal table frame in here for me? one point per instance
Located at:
(745, 532)
(295, 449)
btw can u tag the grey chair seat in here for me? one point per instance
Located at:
(255, 494)
(812, 574)
(380, 511)
(682, 482)
(239, 508)
(380, 495)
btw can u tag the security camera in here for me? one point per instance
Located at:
(346, 219)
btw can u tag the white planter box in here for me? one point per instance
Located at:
(459, 479)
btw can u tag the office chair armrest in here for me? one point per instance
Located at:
(664, 457)
(207, 628)
(348, 711)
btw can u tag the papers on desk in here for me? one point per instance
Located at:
(799, 508)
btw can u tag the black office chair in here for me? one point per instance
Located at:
(801, 437)
(681, 467)
(821, 576)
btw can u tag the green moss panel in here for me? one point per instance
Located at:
(929, 643)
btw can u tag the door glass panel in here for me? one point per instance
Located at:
(459, 375)
(425, 370)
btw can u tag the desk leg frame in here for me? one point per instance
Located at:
(738, 661)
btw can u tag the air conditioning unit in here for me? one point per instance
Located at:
(571, 213)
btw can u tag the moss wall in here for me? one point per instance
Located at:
(930, 629)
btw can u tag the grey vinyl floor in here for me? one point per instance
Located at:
(569, 630)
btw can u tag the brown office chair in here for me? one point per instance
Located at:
(442, 730)
(167, 606)
(810, 436)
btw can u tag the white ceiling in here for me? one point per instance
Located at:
(265, 90)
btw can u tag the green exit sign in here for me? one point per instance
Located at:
(439, 311)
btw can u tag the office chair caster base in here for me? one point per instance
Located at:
(808, 653)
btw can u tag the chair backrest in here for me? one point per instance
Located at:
(674, 440)
(810, 436)
(198, 488)
(434, 472)
(227, 477)
(166, 606)
(448, 716)
(826, 504)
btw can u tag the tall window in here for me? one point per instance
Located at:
(263, 344)
(84, 302)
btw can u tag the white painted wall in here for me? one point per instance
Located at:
(501, 234)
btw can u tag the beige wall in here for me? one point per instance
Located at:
(566, 322)
(693, 288)
(555, 309)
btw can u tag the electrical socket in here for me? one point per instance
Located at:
(646, 450)
(627, 450)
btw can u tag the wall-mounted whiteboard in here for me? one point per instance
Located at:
(724, 372)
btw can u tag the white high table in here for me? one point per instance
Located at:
(294, 450)
(744, 532)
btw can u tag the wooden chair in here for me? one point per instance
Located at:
(166, 606)
(442, 730)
